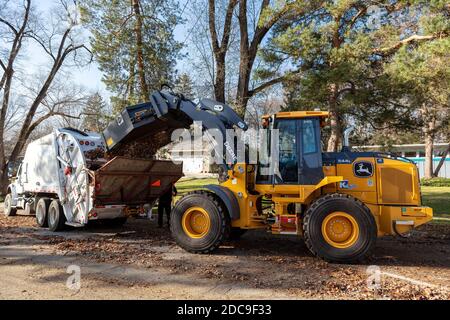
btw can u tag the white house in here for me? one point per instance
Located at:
(194, 154)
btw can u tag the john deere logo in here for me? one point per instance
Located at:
(363, 169)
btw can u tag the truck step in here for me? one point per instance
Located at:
(75, 224)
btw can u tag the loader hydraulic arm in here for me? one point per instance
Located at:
(166, 112)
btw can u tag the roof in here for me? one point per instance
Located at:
(404, 147)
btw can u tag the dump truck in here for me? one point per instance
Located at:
(339, 202)
(65, 178)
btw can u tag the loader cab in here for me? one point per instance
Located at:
(294, 149)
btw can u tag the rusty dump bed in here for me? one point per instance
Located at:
(134, 181)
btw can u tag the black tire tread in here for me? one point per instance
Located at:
(13, 211)
(225, 227)
(319, 202)
(47, 202)
(61, 224)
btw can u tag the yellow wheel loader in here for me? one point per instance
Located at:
(339, 202)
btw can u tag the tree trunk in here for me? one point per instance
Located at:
(131, 83)
(441, 162)
(336, 130)
(139, 50)
(219, 83)
(4, 181)
(220, 48)
(242, 95)
(5, 103)
(6, 82)
(429, 147)
(429, 130)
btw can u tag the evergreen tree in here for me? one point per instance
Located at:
(184, 85)
(95, 114)
(134, 45)
(425, 70)
(340, 49)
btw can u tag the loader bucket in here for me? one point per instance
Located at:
(134, 181)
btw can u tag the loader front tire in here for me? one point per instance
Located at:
(339, 228)
(41, 212)
(199, 222)
(8, 209)
(56, 218)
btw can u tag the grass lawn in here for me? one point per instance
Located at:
(186, 185)
(436, 197)
(439, 199)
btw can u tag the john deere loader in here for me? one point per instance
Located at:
(339, 202)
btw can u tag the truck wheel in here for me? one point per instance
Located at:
(199, 222)
(8, 209)
(339, 228)
(41, 212)
(56, 218)
(236, 233)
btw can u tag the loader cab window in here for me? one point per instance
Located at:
(295, 156)
(288, 159)
(309, 138)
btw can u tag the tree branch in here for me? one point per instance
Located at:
(2, 65)
(227, 25)
(212, 25)
(398, 45)
(270, 83)
(14, 30)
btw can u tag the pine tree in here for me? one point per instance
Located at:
(134, 45)
(339, 50)
(184, 85)
(95, 114)
(426, 72)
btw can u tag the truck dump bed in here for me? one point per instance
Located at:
(134, 181)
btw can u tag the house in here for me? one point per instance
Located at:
(194, 154)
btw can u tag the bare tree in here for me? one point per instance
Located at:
(57, 37)
(254, 19)
(220, 46)
(201, 56)
(251, 39)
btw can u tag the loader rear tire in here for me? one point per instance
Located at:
(56, 218)
(8, 209)
(200, 222)
(339, 228)
(41, 212)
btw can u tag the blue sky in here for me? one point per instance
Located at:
(89, 76)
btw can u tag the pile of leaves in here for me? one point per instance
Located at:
(142, 148)
(94, 154)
